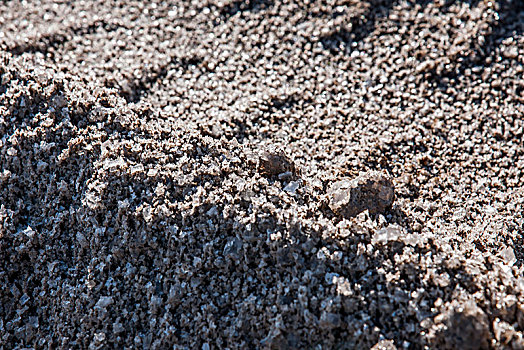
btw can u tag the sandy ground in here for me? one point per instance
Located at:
(217, 174)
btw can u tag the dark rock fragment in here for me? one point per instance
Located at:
(468, 328)
(275, 163)
(373, 191)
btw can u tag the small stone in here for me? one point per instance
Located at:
(373, 191)
(15, 291)
(511, 52)
(152, 172)
(29, 232)
(508, 255)
(24, 299)
(285, 176)
(11, 152)
(387, 234)
(275, 163)
(136, 169)
(467, 328)
(343, 287)
(104, 302)
(292, 187)
(213, 211)
(100, 337)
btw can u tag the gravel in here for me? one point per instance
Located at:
(262, 174)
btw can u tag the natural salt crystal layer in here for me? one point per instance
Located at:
(214, 251)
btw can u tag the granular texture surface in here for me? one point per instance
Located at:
(262, 174)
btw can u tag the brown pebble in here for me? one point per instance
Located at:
(373, 191)
(275, 163)
(467, 328)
